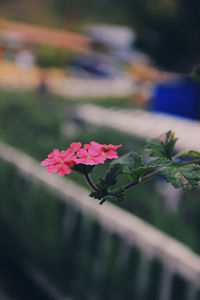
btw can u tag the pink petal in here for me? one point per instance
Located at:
(94, 152)
(82, 153)
(55, 152)
(100, 159)
(112, 147)
(86, 146)
(96, 146)
(46, 162)
(53, 169)
(111, 154)
(82, 160)
(64, 169)
(75, 146)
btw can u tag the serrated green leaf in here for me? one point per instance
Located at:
(169, 143)
(110, 177)
(132, 164)
(159, 162)
(117, 196)
(189, 153)
(163, 146)
(99, 194)
(155, 148)
(182, 176)
(129, 161)
(104, 195)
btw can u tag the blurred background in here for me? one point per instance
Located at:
(114, 72)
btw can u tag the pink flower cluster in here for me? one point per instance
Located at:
(90, 154)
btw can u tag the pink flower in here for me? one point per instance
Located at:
(89, 157)
(95, 153)
(59, 161)
(74, 147)
(108, 151)
(91, 154)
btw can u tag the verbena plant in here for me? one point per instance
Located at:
(181, 170)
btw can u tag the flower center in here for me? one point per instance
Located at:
(89, 158)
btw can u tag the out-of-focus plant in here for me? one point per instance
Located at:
(51, 57)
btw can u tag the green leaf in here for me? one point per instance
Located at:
(159, 162)
(155, 148)
(129, 161)
(196, 73)
(99, 194)
(110, 177)
(163, 146)
(132, 164)
(104, 195)
(117, 196)
(182, 176)
(189, 153)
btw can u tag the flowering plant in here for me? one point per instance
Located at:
(181, 170)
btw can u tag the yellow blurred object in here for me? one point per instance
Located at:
(148, 73)
(14, 77)
(143, 72)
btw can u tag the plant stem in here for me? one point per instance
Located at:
(102, 201)
(90, 182)
(189, 162)
(133, 183)
(150, 176)
(195, 161)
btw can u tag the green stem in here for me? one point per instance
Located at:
(133, 183)
(89, 181)
(102, 201)
(189, 162)
(150, 176)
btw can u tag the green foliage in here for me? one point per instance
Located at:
(182, 176)
(100, 194)
(185, 175)
(195, 74)
(103, 194)
(159, 162)
(111, 175)
(189, 153)
(51, 57)
(118, 196)
(132, 164)
(163, 146)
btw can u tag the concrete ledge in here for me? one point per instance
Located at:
(143, 124)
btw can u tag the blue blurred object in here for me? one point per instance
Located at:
(181, 98)
(92, 66)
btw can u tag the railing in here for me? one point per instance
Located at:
(142, 124)
(89, 251)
